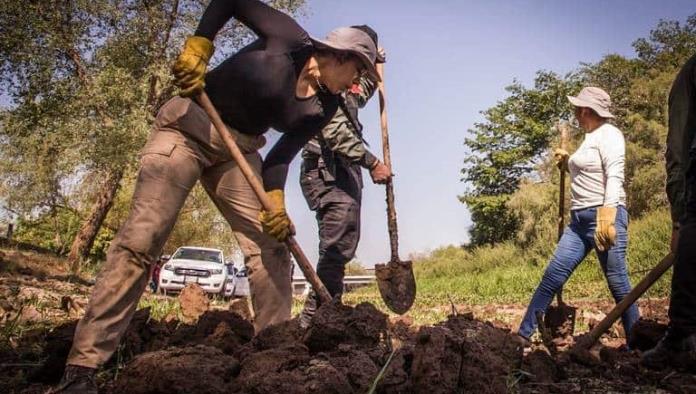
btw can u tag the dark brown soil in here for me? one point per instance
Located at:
(646, 333)
(343, 351)
(197, 369)
(464, 355)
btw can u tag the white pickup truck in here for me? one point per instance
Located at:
(193, 264)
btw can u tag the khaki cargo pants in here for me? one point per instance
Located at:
(182, 149)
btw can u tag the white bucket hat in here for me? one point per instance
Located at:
(595, 98)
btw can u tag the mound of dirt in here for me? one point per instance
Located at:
(222, 330)
(464, 355)
(198, 369)
(343, 351)
(333, 324)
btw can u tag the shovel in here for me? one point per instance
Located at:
(256, 185)
(559, 320)
(585, 342)
(395, 279)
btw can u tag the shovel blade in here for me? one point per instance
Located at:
(397, 285)
(560, 320)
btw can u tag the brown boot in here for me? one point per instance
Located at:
(76, 380)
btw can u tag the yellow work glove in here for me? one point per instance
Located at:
(276, 222)
(191, 65)
(605, 232)
(561, 156)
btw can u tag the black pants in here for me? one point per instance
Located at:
(336, 200)
(682, 307)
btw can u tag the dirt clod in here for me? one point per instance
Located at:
(335, 323)
(194, 302)
(240, 306)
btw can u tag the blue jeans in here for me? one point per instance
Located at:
(574, 245)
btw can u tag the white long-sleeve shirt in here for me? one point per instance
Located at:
(597, 169)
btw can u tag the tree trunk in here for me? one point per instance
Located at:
(82, 244)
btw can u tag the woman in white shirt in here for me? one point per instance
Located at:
(599, 219)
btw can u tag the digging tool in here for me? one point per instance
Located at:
(395, 279)
(559, 320)
(563, 129)
(588, 340)
(256, 185)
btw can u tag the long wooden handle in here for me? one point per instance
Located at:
(256, 185)
(630, 298)
(391, 211)
(563, 128)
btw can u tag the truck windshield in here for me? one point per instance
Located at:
(198, 254)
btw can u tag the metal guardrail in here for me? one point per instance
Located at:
(301, 286)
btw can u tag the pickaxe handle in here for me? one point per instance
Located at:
(630, 298)
(256, 185)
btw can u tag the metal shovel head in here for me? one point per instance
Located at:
(560, 320)
(397, 285)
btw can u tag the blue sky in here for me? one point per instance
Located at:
(448, 60)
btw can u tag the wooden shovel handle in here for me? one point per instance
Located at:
(565, 133)
(256, 185)
(391, 211)
(563, 128)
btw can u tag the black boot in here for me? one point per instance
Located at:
(77, 380)
(672, 351)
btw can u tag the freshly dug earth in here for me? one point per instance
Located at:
(342, 351)
(464, 355)
(197, 369)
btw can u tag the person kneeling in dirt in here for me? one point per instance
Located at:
(331, 182)
(599, 219)
(678, 346)
(285, 80)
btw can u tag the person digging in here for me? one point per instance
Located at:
(331, 181)
(284, 80)
(678, 346)
(599, 219)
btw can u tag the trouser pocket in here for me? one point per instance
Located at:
(313, 186)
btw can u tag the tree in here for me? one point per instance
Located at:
(506, 147)
(85, 79)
